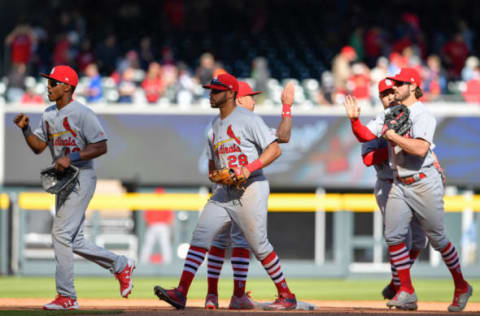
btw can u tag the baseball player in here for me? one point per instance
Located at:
(240, 252)
(240, 140)
(417, 191)
(73, 135)
(375, 152)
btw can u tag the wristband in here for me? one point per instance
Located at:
(286, 110)
(253, 166)
(74, 156)
(27, 131)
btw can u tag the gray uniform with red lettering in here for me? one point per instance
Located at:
(237, 140)
(422, 199)
(416, 238)
(67, 130)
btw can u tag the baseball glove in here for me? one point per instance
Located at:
(58, 182)
(229, 176)
(397, 117)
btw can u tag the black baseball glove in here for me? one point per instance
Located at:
(61, 183)
(397, 117)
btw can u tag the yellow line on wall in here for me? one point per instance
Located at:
(278, 202)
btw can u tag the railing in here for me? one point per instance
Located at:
(341, 207)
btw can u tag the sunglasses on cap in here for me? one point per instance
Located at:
(217, 82)
(400, 83)
(53, 83)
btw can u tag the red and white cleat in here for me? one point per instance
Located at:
(125, 278)
(61, 303)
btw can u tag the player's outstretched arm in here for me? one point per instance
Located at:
(269, 155)
(361, 132)
(285, 127)
(36, 144)
(351, 107)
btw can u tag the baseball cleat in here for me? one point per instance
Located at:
(61, 303)
(404, 301)
(173, 297)
(283, 302)
(460, 300)
(389, 291)
(125, 278)
(211, 301)
(242, 302)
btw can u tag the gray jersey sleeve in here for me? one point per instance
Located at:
(92, 129)
(40, 131)
(209, 142)
(424, 127)
(261, 133)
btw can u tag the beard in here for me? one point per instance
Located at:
(402, 97)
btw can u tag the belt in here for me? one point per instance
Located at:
(412, 179)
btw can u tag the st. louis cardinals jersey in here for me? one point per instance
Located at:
(70, 129)
(238, 139)
(423, 127)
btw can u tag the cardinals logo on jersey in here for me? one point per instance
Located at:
(66, 125)
(232, 135)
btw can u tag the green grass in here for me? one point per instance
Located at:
(262, 288)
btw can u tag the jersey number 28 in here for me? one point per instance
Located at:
(232, 160)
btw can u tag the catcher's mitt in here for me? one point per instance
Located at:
(397, 117)
(58, 182)
(229, 176)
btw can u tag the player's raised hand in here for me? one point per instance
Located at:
(351, 107)
(288, 94)
(21, 120)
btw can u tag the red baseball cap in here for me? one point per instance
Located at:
(409, 75)
(63, 74)
(385, 84)
(223, 82)
(244, 89)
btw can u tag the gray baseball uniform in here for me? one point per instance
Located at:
(234, 141)
(68, 130)
(416, 238)
(422, 198)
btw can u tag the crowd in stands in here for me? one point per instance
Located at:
(122, 67)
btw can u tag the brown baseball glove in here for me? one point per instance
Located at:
(229, 176)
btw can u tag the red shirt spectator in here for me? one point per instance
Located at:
(21, 41)
(455, 53)
(153, 85)
(61, 54)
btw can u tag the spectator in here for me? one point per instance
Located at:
(30, 97)
(359, 83)
(85, 56)
(341, 68)
(153, 84)
(146, 52)
(260, 75)
(107, 54)
(126, 86)
(167, 56)
(374, 44)
(94, 90)
(471, 65)
(455, 52)
(158, 228)
(21, 41)
(434, 81)
(471, 91)
(16, 83)
(61, 52)
(204, 72)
